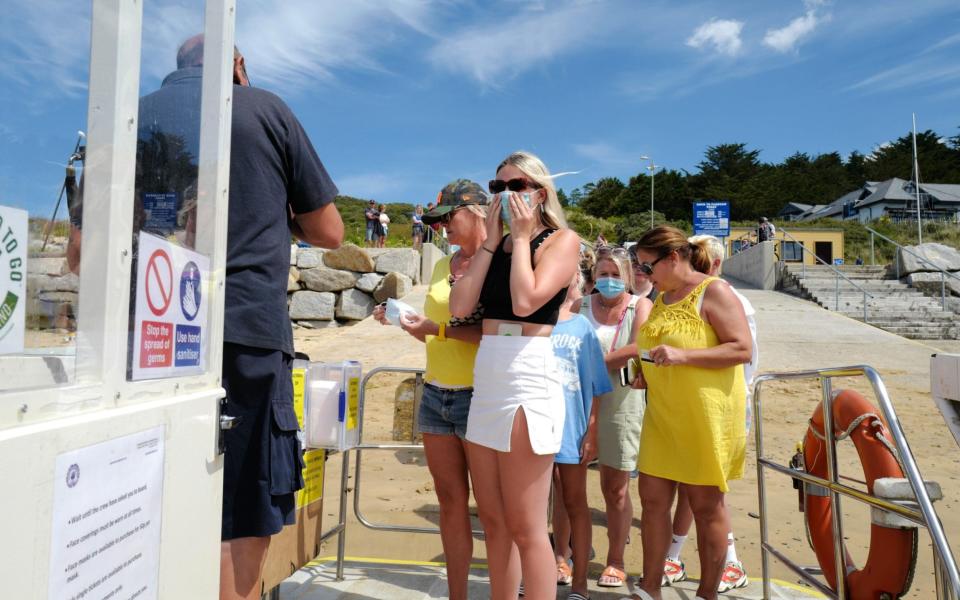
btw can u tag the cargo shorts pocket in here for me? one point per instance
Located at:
(286, 461)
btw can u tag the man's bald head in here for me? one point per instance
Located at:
(190, 53)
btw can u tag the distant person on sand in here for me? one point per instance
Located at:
(416, 227)
(372, 217)
(384, 220)
(516, 416)
(451, 346)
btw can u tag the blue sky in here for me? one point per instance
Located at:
(401, 96)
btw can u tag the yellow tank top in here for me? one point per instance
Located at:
(693, 428)
(450, 362)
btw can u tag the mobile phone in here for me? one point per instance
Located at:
(628, 372)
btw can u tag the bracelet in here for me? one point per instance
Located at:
(442, 333)
(487, 249)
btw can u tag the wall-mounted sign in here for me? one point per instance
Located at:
(170, 336)
(13, 278)
(711, 218)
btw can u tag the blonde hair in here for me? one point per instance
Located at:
(711, 244)
(623, 265)
(664, 239)
(551, 213)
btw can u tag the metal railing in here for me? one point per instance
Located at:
(945, 567)
(340, 529)
(943, 272)
(837, 273)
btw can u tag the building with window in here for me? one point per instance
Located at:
(797, 245)
(894, 198)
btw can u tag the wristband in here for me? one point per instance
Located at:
(442, 333)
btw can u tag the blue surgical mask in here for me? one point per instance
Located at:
(505, 205)
(610, 287)
(454, 248)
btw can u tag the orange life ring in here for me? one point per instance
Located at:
(893, 551)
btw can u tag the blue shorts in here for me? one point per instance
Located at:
(370, 228)
(444, 412)
(262, 459)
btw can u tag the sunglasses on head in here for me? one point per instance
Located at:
(604, 251)
(514, 185)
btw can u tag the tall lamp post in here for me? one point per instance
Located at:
(652, 168)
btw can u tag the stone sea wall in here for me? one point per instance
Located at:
(330, 288)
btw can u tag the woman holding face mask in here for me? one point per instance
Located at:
(515, 425)
(616, 315)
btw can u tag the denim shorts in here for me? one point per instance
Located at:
(443, 411)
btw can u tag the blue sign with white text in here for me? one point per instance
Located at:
(711, 217)
(187, 346)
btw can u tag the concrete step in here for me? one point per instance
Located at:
(896, 315)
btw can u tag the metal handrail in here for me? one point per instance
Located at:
(357, 479)
(943, 272)
(945, 565)
(837, 272)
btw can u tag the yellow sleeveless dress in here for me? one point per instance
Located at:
(693, 428)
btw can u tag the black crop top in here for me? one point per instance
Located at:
(495, 294)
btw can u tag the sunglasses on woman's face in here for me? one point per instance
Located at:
(514, 185)
(447, 217)
(647, 267)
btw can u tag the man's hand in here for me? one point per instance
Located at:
(588, 448)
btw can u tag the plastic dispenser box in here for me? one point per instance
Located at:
(332, 405)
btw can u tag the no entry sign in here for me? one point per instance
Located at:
(170, 337)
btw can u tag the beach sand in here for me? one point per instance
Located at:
(794, 335)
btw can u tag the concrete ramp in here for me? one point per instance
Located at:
(410, 580)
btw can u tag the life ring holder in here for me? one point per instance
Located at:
(892, 557)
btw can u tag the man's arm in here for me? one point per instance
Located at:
(322, 227)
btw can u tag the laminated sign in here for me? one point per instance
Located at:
(170, 322)
(13, 280)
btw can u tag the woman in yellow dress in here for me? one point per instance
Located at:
(697, 339)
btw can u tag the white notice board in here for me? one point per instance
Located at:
(170, 336)
(107, 502)
(13, 278)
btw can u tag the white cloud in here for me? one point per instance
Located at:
(720, 35)
(490, 53)
(787, 38)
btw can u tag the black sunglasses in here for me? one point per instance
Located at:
(446, 217)
(514, 185)
(647, 268)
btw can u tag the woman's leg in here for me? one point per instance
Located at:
(712, 527)
(561, 521)
(447, 460)
(525, 480)
(656, 500)
(502, 557)
(615, 485)
(574, 486)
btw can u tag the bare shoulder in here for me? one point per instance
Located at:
(564, 239)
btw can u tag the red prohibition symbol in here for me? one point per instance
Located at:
(159, 282)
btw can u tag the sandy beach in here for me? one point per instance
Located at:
(793, 335)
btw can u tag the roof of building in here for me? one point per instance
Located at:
(894, 191)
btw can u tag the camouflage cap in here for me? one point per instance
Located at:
(455, 194)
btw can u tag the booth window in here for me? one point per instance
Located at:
(792, 251)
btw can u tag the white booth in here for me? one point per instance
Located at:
(109, 401)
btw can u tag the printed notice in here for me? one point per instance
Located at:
(107, 502)
(171, 310)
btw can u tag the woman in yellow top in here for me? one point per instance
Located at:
(693, 429)
(451, 350)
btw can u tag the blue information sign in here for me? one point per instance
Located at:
(711, 217)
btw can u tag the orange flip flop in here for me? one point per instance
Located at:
(611, 572)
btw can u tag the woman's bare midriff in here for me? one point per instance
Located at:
(492, 327)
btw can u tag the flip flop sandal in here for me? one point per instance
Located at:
(611, 572)
(564, 574)
(638, 594)
(577, 596)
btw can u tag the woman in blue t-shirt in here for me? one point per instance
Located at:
(583, 375)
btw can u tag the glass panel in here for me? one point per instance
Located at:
(167, 299)
(43, 108)
(792, 252)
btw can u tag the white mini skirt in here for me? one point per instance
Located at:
(513, 372)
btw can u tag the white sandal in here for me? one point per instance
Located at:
(638, 594)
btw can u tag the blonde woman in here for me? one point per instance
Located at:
(616, 315)
(517, 410)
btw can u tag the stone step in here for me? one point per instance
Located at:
(896, 315)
